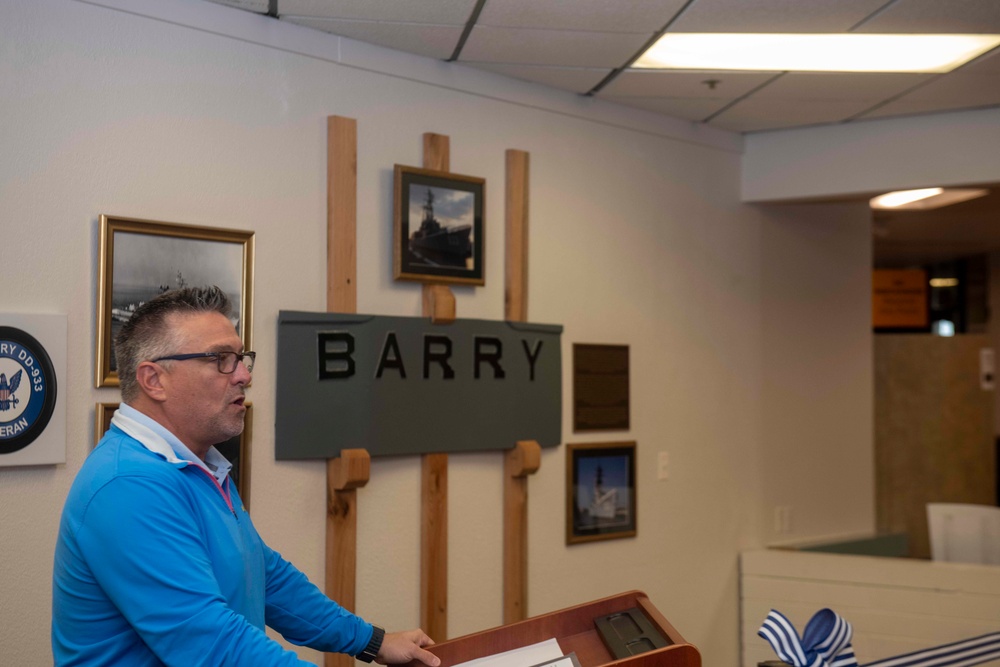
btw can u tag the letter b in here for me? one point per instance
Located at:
(335, 355)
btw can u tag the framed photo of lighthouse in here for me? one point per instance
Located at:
(600, 491)
(438, 227)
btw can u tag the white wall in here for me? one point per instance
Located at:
(194, 113)
(993, 325)
(817, 462)
(871, 157)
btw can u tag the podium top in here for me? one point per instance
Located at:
(575, 630)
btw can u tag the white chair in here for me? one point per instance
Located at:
(963, 533)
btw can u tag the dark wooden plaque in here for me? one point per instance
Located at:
(600, 387)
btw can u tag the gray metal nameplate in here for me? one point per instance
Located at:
(401, 385)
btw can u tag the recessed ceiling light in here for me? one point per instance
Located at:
(925, 198)
(815, 52)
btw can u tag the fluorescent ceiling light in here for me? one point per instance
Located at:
(815, 52)
(944, 282)
(925, 198)
(903, 197)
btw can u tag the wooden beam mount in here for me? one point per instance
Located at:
(439, 303)
(525, 459)
(350, 470)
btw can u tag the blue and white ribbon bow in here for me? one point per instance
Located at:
(826, 641)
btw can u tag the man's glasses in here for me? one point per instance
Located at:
(227, 361)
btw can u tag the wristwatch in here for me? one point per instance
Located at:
(374, 644)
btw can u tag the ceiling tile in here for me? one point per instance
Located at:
(774, 15)
(948, 92)
(936, 16)
(440, 12)
(565, 48)
(989, 63)
(648, 16)
(853, 86)
(754, 114)
(695, 109)
(259, 6)
(685, 83)
(574, 79)
(433, 41)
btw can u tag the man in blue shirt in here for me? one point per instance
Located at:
(157, 561)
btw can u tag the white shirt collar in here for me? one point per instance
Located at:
(153, 436)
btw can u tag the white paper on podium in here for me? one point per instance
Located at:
(525, 656)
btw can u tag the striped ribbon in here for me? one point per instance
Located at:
(826, 642)
(958, 654)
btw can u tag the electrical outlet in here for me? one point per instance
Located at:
(662, 462)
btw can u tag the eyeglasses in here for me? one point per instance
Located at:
(227, 361)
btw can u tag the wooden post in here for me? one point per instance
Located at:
(439, 305)
(516, 232)
(434, 545)
(345, 474)
(518, 463)
(525, 458)
(350, 471)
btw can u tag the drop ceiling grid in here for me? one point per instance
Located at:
(543, 46)
(936, 16)
(431, 41)
(573, 45)
(774, 15)
(440, 12)
(629, 16)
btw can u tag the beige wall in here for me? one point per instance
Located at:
(872, 157)
(747, 326)
(816, 462)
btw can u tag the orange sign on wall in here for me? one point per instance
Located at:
(899, 299)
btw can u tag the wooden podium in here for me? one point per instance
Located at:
(575, 630)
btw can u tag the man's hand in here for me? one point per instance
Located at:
(402, 647)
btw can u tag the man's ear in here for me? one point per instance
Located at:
(151, 378)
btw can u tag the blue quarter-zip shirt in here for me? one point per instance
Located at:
(157, 563)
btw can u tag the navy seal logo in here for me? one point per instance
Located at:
(27, 389)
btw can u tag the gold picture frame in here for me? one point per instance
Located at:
(600, 491)
(236, 449)
(443, 245)
(142, 258)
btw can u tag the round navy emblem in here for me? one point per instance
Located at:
(27, 389)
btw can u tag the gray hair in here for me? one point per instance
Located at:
(146, 335)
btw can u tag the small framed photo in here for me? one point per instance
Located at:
(236, 449)
(600, 491)
(438, 227)
(143, 258)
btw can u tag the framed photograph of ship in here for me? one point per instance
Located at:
(438, 227)
(600, 491)
(142, 258)
(236, 449)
